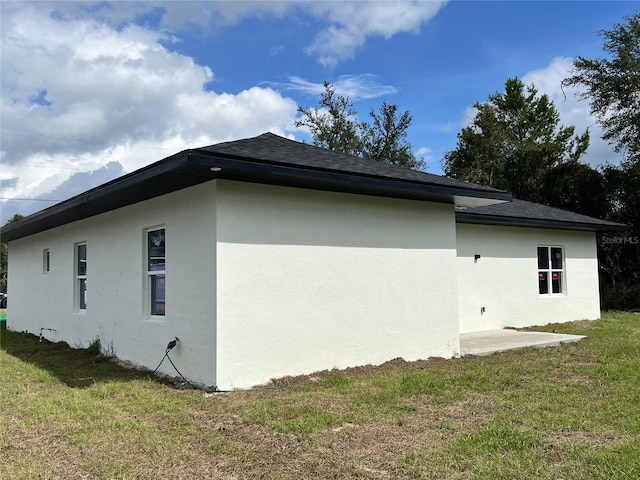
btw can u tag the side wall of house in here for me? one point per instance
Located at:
(311, 280)
(117, 291)
(504, 280)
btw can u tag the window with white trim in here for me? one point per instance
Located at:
(81, 277)
(550, 270)
(156, 274)
(46, 260)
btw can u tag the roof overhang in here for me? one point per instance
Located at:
(482, 219)
(192, 167)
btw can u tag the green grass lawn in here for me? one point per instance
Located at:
(569, 412)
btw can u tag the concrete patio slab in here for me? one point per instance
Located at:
(490, 341)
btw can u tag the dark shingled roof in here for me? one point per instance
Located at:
(272, 148)
(528, 214)
(267, 159)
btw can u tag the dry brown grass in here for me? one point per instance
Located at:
(566, 412)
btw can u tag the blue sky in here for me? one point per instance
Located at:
(91, 91)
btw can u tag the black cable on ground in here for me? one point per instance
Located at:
(178, 371)
(170, 346)
(215, 389)
(165, 356)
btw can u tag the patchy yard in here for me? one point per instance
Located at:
(570, 412)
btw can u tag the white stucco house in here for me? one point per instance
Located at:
(267, 257)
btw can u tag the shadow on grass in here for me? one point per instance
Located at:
(76, 368)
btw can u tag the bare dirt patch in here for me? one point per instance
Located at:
(395, 365)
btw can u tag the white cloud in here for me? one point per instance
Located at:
(349, 26)
(344, 26)
(352, 23)
(208, 14)
(98, 89)
(356, 87)
(430, 159)
(91, 94)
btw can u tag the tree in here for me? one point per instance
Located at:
(335, 125)
(385, 140)
(513, 142)
(4, 256)
(612, 86)
(576, 187)
(619, 256)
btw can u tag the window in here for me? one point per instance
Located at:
(156, 276)
(550, 270)
(81, 277)
(46, 261)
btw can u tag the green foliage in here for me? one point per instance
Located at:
(514, 143)
(421, 382)
(496, 451)
(4, 256)
(334, 125)
(101, 354)
(619, 254)
(612, 85)
(576, 187)
(385, 139)
(338, 381)
(300, 419)
(499, 438)
(95, 347)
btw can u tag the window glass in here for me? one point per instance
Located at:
(543, 283)
(82, 259)
(82, 293)
(81, 277)
(550, 270)
(556, 257)
(543, 257)
(156, 276)
(155, 249)
(556, 282)
(157, 294)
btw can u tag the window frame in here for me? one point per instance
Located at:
(550, 270)
(154, 277)
(80, 277)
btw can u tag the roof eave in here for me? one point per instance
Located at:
(477, 219)
(79, 207)
(191, 167)
(331, 180)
